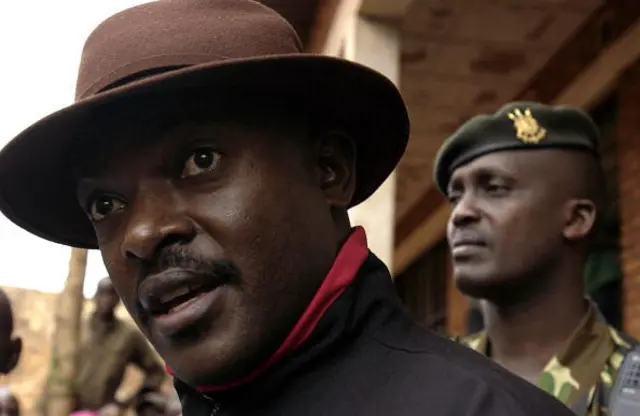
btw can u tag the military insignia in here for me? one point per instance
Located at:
(527, 128)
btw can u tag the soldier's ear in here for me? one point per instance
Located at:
(580, 215)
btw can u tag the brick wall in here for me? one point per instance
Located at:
(628, 130)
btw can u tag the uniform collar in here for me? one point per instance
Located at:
(576, 368)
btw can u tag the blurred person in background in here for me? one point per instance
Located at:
(9, 404)
(151, 403)
(111, 409)
(175, 407)
(10, 345)
(108, 346)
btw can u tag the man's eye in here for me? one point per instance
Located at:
(103, 206)
(453, 197)
(200, 161)
(496, 188)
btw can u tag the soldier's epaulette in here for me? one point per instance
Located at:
(472, 341)
(622, 340)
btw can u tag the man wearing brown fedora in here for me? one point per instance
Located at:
(213, 163)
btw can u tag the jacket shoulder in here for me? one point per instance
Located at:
(488, 388)
(523, 403)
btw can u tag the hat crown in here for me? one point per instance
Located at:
(167, 34)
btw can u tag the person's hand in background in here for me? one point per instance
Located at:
(112, 409)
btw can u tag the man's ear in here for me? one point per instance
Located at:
(335, 167)
(12, 361)
(580, 217)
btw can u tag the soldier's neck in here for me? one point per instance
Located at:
(523, 337)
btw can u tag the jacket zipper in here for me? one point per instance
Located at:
(215, 408)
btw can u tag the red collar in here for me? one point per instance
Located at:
(349, 260)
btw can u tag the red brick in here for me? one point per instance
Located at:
(628, 136)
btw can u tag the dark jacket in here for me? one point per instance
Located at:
(367, 356)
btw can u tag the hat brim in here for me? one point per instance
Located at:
(38, 190)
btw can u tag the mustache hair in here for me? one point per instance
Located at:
(178, 257)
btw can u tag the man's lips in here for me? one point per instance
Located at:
(466, 246)
(161, 293)
(468, 242)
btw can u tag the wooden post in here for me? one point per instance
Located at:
(376, 45)
(66, 338)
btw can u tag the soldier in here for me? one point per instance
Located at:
(213, 164)
(526, 187)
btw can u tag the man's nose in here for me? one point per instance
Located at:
(464, 211)
(157, 219)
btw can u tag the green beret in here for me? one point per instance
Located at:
(516, 126)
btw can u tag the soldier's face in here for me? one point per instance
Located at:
(507, 220)
(216, 234)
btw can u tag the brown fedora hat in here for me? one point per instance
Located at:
(161, 48)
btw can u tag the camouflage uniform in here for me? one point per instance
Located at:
(582, 375)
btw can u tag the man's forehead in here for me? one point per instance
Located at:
(500, 162)
(139, 141)
(524, 165)
(146, 134)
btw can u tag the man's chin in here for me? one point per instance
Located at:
(211, 364)
(198, 377)
(205, 373)
(488, 286)
(475, 282)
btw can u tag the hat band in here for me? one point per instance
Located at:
(141, 75)
(141, 66)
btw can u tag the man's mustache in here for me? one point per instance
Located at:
(182, 258)
(223, 270)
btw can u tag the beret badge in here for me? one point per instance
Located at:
(528, 130)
